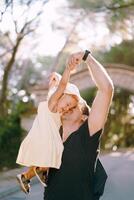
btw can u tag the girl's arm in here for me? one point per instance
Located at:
(52, 102)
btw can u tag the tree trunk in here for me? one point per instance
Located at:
(8, 67)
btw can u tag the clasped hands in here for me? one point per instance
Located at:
(74, 60)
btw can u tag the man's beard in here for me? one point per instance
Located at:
(66, 115)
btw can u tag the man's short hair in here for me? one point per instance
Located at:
(85, 109)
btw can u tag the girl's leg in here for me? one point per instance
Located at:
(24, 178)
(29, 173)
(43, 168)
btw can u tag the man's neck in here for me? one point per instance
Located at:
(69, 125)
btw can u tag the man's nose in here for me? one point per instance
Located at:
(65, 109)
(62, 110)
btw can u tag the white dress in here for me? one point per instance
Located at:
(43, 145)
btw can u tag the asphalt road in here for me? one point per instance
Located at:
(119, 186)
(35, 194)
(120, 183)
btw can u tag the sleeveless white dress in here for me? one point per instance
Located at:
(43, 145)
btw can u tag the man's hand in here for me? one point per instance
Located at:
(74, 60)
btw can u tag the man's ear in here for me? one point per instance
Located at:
(75, 97)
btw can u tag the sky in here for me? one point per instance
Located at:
(49, 41)
(54, 40)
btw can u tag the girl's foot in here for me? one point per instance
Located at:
(24, 183)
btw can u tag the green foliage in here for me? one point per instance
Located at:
(119, 127)
(89, 95)
(11, 133)
(122, 53)
(22, 108)
(102, 5)
(121, 8)
(116, 11)
(10, 139)
(87, 4)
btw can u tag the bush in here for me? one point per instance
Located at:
(122, 54)
(119, 128)
(10, 139)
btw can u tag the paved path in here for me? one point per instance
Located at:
(119, 186)
(120, 169)
(36, 194)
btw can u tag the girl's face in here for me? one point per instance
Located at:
(66, 102)
(73, 114)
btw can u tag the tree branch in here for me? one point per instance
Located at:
(8, 51)
(30, 22)
(7, 35)
(3, 96)
(2, 12)
(123, 6)
(25, 30)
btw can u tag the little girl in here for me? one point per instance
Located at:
(42, 148)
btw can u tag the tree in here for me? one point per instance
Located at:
(119, 128)
(118, 14)
(70, 40)
(122, 53)
(111, 6)
(22, 30)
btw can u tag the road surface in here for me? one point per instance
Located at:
(119, 185)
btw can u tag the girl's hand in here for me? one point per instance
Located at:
(74, 60)
(54, 79)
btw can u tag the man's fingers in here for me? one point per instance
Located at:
(74, 60)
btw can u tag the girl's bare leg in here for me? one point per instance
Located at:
(30, 173)
(43, 168)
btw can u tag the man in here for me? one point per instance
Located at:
(78, 176)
